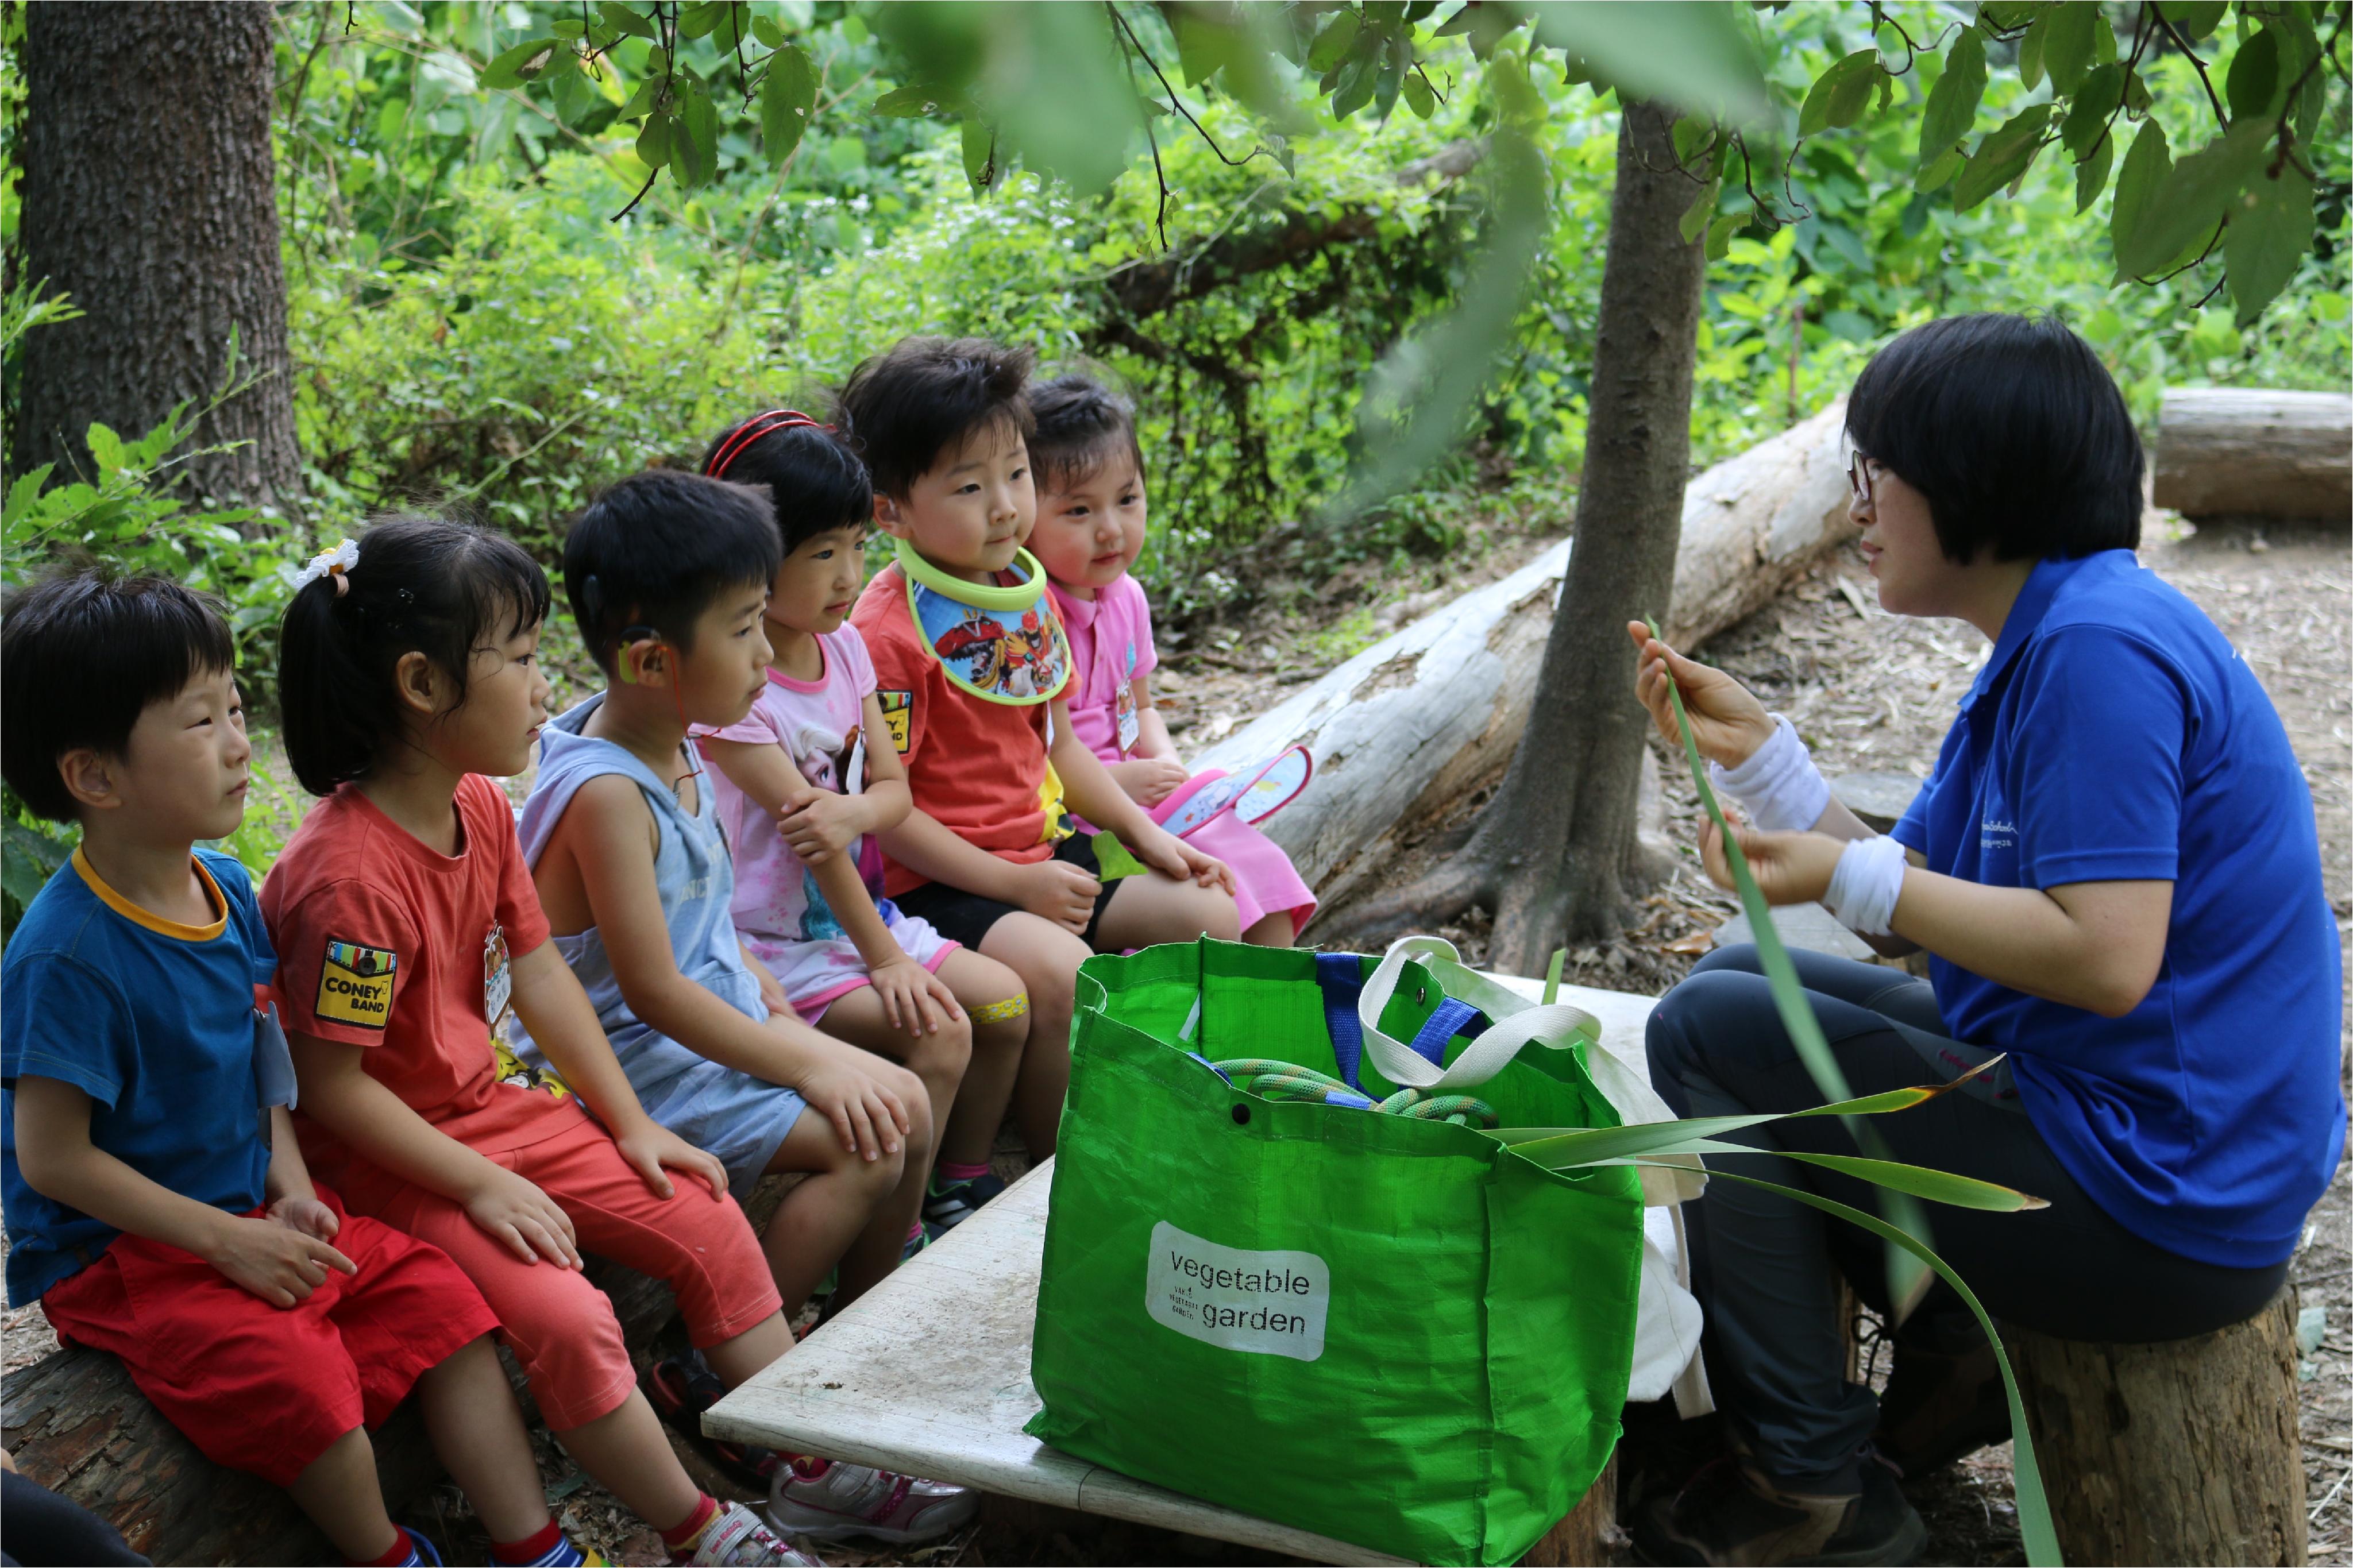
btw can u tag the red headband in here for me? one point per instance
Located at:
(751, 430)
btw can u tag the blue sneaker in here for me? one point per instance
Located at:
(947, 1205)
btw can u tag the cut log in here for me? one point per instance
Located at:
(2184, 1451)
(1414, 723)
(1589, 1534)
(75, 1424)
(2256, 454)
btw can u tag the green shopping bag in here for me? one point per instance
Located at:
(1400, 1334)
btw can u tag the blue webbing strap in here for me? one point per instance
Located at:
(1450, 1018)
(1341, 976)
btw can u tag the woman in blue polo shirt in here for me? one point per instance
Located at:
(2114, 873)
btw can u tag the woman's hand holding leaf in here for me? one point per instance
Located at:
(1789, 867)
(1727, 719)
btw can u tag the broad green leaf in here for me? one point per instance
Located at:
(700, 19)
(1840, 93)
(2147, 165)
(2271, 228)
(24, 491)
(1332, 45)
(1691, 132)
(1419, 96)
(1693, 54)
(1354, 88)
(654, 141)
(2138, 98)
(919, 98)
(765, 29)
(568, 28)
(2030, 48)
(1953, 102)
(1934, 177)
(1702, 208)
(979, 146)
(643, 102)
(627, 19)
(1720, 232)
(576, 94)
(2255, 81)
(2193, 19)
(2039, 1535)
(694, 145)
(2067, 50)
(788, 96)
(1392, 78)
(2091, 174)
(2096, 100)
(2001, 157)
(105, 447)
(521, 64)
(2009, 16)
(2182, 212)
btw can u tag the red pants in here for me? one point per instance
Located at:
(264, 1388)
(561, 1327)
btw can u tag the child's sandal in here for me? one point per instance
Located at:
(681, 1389)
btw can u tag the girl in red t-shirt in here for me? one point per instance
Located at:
(406, 926)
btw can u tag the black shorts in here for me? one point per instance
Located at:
(966, 916)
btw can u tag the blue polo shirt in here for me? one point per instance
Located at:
(2115, 735)
(152, 1020)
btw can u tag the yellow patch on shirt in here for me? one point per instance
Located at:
(355, 984)
(898, 712)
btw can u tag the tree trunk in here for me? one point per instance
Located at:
(149, 198)
(2185, 1451)
(1555, 850)
(1407, 730)
(2256, 454)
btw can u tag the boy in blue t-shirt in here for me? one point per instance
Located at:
(156, 1201)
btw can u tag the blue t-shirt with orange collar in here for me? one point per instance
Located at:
(2114, 735)
(154, 1021)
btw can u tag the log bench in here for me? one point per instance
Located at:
(74, 1423)
(2181, 1452)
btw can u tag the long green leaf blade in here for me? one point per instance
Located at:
(1920, 1180)
(2034, 1526)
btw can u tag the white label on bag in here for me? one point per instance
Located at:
(1268, 1303)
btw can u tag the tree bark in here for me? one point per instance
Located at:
(149, 198)
(2185, 1451)
(1555, 850)
(2287, 455)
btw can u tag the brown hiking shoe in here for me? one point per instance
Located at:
(1729, 1514)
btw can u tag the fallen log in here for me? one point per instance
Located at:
(2287, 455)
(1420, 719)
(75, 1424)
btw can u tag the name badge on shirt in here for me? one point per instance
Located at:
(497, 980)
(1130, 724)
(355, 984)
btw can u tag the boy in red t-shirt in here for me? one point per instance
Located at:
(969, 660)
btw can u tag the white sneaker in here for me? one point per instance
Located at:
(737, 1538)
(825, 1499)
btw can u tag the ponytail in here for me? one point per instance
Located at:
(420, 584)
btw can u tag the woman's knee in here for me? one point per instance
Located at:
(1711, 1007)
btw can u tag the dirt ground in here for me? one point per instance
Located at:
(1870, 692)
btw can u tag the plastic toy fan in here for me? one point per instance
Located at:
(1253, 794)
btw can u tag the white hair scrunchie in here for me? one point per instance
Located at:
(333, 562)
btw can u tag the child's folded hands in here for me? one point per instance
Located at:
(513, 1210)
(870, 1119)
(309, 1215)
(819, 823)
(1057, 890)
(278, 1263)
(913, 998)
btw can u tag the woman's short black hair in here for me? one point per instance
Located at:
(423, 585)
(656, 550)
(923, 396)
(83, 654)
(2014, 431)
(1079, 425)
(813, 479)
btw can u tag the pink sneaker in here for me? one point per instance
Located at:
(736, 1539)
(825, 1499)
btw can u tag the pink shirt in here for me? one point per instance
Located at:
(1111, 644)
(818, 722)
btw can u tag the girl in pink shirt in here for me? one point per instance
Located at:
(1090, 521)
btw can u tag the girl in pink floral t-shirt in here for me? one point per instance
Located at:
(1090, 521)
